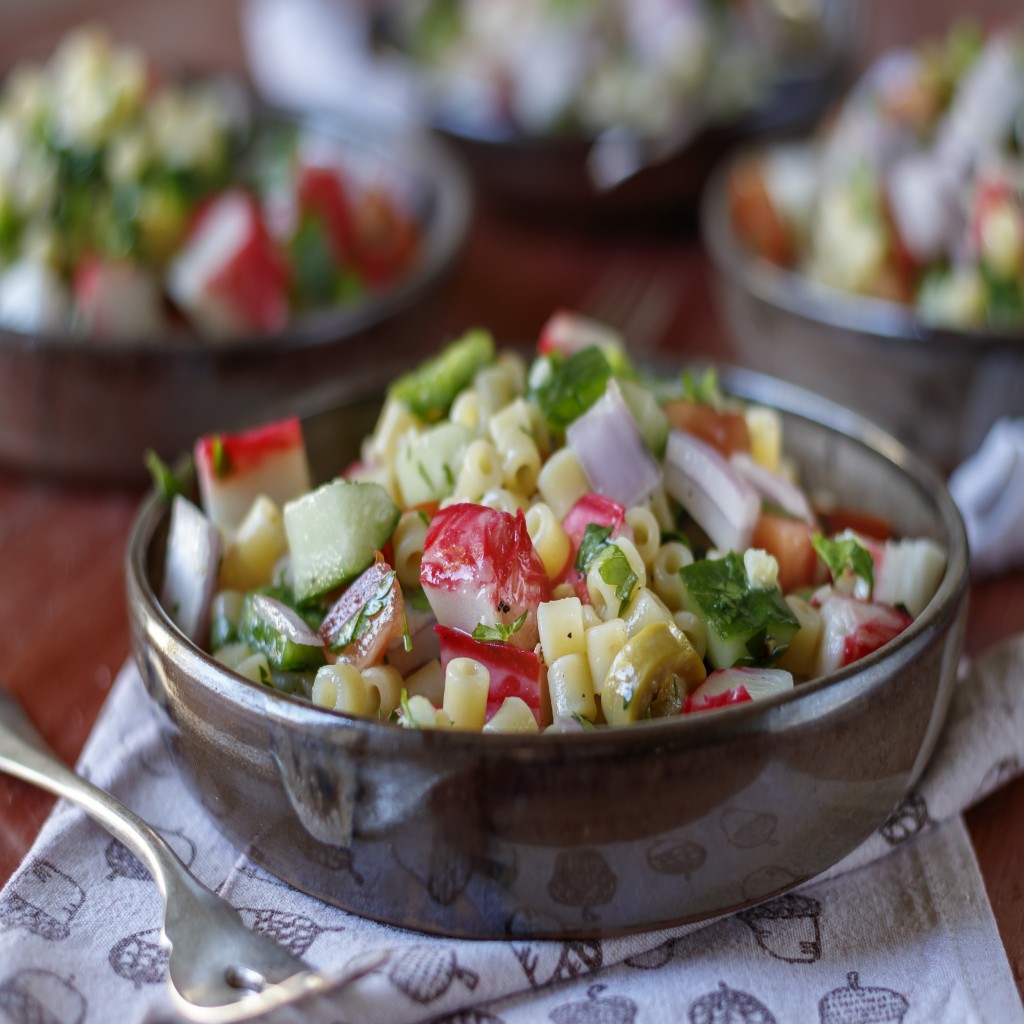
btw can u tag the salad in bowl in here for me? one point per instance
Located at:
(136, 207)
(913, 191)
(560, 544)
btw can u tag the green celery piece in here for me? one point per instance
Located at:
(429, 390)
(574, 385)
(745, 625)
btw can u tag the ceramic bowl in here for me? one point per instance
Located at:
(87, 409)
(938, 390)
(572, 835)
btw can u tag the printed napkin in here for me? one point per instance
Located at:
(900, 931)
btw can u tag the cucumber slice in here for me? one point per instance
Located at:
(280, 633)
(745, 625)
(430, 389)
(333, 533)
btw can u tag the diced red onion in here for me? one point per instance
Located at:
(722, 502)
(772, 487)
(609, 446)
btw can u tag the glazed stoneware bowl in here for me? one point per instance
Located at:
(938, 390)
(572, 835)
(79, 408)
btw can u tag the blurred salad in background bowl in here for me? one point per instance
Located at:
(882, 262)
(613, 88)
(133, 206)
(914, 190)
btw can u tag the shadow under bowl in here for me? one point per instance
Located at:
(571, 835)
(79, 408)
(939, 390)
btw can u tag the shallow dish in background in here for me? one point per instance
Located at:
(85, 408)
(621, 174)
(583, 834)
(938, 389)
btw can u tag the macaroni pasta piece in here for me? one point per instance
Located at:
(549, 539)
(560, 625)
(466, 683)
(571, 687)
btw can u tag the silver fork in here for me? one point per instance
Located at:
(638, 304)
(219, 970)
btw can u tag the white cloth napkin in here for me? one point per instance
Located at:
(902, 927)
(988, 488)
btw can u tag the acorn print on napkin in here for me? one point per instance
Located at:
(787, 928)
(730, 1006)
(575, 957)
(124, 864)
(140, 958)
(676, 857)
(582, 878)
(295, 932)
(43, 900)
(597, 1009)
(425, 973)
(856, 1005)
(910, 817)
(35, 996)
(471, 1016)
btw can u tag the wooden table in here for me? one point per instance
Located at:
(63, 625)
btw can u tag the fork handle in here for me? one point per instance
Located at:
(25, 755)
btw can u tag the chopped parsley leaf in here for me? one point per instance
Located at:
(500, 631)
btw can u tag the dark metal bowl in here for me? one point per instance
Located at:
(939, 390)
(85, 408)
(550, 174)
(585, 834)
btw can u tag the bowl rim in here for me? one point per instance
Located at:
(694, 730)
(410, 150)
(797, 294)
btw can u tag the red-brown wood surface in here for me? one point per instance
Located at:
(63, 630)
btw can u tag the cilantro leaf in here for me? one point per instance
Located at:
(499, 631)
(846, 556)
(595, 539)
(573, 386)
(702, 388)
(356, 626)
(615, 570)
(165, 481)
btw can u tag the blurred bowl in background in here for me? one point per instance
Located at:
(617, 171)
(937, 389)
(87, 408)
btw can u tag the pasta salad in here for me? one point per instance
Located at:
(554, 544)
